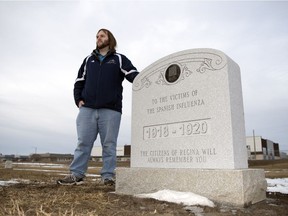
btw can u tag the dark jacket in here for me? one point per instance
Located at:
(99, 84)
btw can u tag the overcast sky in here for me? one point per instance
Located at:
(43, 43)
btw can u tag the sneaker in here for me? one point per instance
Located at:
(70, 180)
(109, 182)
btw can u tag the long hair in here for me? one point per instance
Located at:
(111, 38)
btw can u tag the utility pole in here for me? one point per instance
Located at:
(254, 144)
(35, 149)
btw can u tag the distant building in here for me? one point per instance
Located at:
(122, 152)
(50, 157)
(262, 149)
(97, 151)
(18, 158)
(283, 155)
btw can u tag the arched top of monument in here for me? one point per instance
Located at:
(173, 68)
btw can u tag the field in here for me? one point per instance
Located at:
(36, 193)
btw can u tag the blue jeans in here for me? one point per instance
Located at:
(90, 122)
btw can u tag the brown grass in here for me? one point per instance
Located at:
(273, 169)
(42, 197)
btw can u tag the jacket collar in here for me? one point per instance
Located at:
(96, 52)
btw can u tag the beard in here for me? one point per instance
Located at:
(103, 44)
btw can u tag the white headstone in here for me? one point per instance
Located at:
(188, 113)
(8, 164)
(188, 131)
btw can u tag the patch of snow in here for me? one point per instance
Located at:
(38, 170)
(46, 165)
(7, 183)
(277, 185)
(93, 175)
(13, 181)
(185, 198)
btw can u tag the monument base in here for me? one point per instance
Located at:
(241, 187)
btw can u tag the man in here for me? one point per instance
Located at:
(98, 94)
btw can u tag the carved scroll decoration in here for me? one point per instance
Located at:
(208, 62)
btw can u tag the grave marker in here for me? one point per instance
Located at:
(8, 164)
(188, 130)
(188, 113)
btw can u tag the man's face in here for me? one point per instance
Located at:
(102, 40)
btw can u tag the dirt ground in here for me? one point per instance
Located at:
(42, 196)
